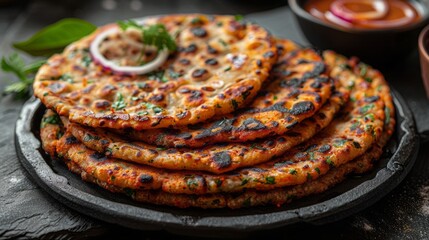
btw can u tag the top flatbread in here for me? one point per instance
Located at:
(220, 65)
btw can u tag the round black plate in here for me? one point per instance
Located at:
(343, 200)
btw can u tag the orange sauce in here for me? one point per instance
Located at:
(396, 13)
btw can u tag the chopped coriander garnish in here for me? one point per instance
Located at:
(339, 142)
(330, 162)
(54, 119)
(119, 103)
(293, 172)
(196, 20)
(87, 60)
(67, 78)
(174, 74)
(158, 76)
(218, 182)
(227, 69)
(270, 180)
(366, 108)
(153, 107)
(363, 69)
(142, 113)
(238, 17)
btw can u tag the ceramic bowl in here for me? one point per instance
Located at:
(373, 46)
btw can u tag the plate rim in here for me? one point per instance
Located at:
(345, 204)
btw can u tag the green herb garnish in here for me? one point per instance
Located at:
(119, 103)
(158, 76)
(153, 35)
(25, 73)
(153, 107)
(238, 17)
(270, 180)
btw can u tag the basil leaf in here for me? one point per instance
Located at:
(55, 37)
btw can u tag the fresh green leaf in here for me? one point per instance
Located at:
(55, 37)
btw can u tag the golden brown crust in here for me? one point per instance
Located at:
(298, 87)
(50, 131)
(215, 159)
(248, 198)
(75, 86)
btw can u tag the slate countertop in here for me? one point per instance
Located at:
(28, 212)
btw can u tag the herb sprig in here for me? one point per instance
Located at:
(153, 35)
(25, 73)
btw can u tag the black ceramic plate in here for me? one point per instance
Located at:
(343, 200)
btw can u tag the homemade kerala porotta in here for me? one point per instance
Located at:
(219, 66)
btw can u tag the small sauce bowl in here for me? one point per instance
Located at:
(376, 46)
(424, 57)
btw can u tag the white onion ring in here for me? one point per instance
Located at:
(339, 9)
(409, 16)
(148, 67)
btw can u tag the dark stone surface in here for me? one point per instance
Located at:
(28, 212)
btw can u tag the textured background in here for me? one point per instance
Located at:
(26, 211)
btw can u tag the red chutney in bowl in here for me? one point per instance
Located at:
(365, 14)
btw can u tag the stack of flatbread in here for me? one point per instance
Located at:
(234, 118)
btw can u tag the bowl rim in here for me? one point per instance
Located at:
(423, 50)
(298, 10)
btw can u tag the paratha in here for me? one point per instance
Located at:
(223, 157)
(298, 87)
(346, 138)
(220, 65)
(249, 198)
